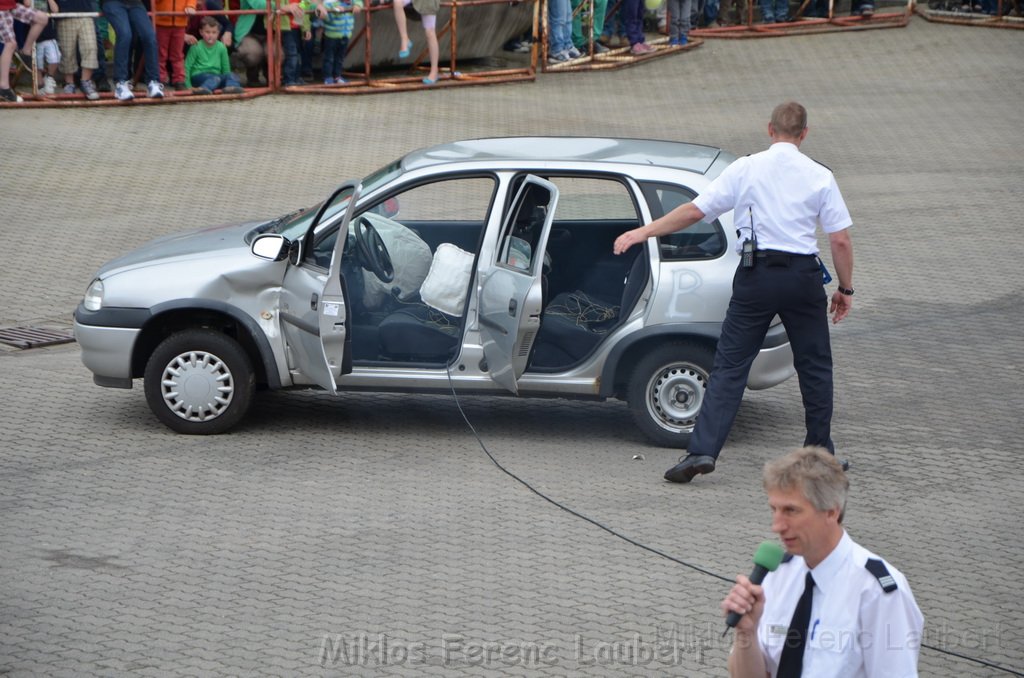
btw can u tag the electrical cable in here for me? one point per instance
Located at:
(651, 549)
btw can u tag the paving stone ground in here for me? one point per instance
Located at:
(370, 535)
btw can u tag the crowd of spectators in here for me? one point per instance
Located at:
(192, 45)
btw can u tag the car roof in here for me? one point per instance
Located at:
(673, 154)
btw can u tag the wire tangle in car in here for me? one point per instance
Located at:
(582, 310)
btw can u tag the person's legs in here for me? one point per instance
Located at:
(142, 28)
(176, 51)
(403, 30)
(559, 28)
(805, 315)
(117, 17)
(433, 49)
(290, 66)
(10, 43)
(634, 20)
(164, 35)
(330, 48)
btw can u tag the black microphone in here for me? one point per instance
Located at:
(766, 559)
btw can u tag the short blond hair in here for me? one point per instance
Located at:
(789, 119)
(813, 471)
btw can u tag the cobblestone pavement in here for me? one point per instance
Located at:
(370, 535)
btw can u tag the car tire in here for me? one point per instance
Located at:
(199, 382)
(666, 391)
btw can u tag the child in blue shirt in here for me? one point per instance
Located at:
(339, 21)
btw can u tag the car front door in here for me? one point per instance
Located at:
(511, 294)
(313, 310)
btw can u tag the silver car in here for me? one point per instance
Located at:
(482, 265)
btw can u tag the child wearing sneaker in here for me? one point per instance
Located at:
(207, 66)
(170, 39)
(47, 52)
(339, 21)
(77, 38)
(11, 11)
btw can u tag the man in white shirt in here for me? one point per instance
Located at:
(779, 198)
(860, 618)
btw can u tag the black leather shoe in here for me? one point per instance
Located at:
(692, 465)
(845, 464)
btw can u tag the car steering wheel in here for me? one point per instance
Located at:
(373, 253)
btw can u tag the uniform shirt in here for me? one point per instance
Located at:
(788, 194)
(857, 629)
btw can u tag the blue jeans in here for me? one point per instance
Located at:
(773, 11)
(127, 20)
(212, 81)
(334, 56)
(560, 24)
(292, 61)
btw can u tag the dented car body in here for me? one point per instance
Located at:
(484, 264)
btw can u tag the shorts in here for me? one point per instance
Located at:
(25, 15)
(427, 10)
(77, 35)
(47, 52)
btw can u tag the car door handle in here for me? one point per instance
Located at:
(314, 301)
(512, 306)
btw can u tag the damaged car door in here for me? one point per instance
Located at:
(511, 294)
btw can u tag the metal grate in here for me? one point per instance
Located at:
(34, 337)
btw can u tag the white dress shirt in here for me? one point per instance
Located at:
(857, 630)
(788, 194)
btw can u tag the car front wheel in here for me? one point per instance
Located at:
(666, 391)
(199, 382)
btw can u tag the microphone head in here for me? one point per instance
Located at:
(768, 555)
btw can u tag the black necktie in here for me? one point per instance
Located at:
(791, 663)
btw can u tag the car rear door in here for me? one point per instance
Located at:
(511, 292)
(313, 311)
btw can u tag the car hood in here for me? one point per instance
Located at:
(198, 244)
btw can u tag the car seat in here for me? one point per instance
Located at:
(574, 323)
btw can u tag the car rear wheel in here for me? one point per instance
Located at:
(666, 391)
(199, 382)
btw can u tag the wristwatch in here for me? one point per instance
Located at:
(848, 291)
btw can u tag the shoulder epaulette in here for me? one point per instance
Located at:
(881, 573)
(822, 164)
(787, 557)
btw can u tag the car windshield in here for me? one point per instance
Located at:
(295, 224)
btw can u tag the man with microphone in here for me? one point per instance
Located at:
(832, 608)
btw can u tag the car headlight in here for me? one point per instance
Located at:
(94, 296)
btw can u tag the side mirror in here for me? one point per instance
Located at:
(270, 246)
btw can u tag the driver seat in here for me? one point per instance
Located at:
(429, 331)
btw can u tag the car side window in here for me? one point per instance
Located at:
(703, 240)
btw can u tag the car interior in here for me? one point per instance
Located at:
(433, 234)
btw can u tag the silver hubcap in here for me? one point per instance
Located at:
(197, 386)
(675, 394)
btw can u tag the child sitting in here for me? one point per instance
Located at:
(207, 66)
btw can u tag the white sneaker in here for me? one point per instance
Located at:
(90, 90)
(155, 90)
(123, 91)
(49, 85)
(574, 53)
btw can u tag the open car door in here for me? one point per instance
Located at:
(511, 294)
(313, 309)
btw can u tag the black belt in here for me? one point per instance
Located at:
(778, 257)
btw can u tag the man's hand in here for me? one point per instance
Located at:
(746, 599)
(841, 305)
(628, 239)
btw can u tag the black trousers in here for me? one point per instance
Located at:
(790, 287)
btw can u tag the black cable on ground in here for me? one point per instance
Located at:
(651, 549)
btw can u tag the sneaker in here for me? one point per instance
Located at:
(574, 53)
(558, 57)
(600, 49)
(49, 85)
(233, 89)
(9, 95)
(123, 91)
(523, 47)
(640, 48)
(867, 10)
(179, 86)
(25, 59)
(340, 80)
(155, 90)
(201, 90)
(682, 40)
(70, 88)
(90, 90)
(103, 85)
(328, 81)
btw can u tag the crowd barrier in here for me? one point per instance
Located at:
(1007, 13)
(370, 66)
